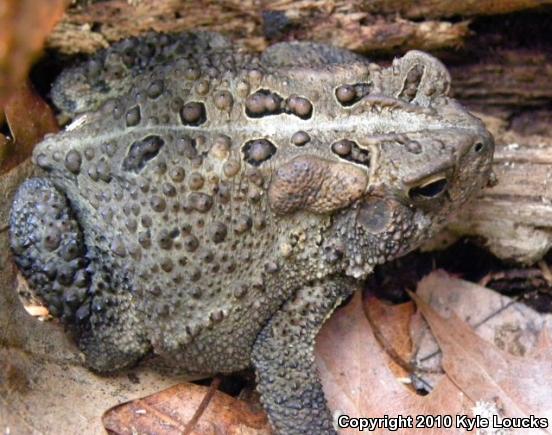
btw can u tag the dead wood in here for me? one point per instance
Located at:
(254, 24)
(450, 8)
(509, 79)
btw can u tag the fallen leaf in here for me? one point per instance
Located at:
(543, 349)
(29, 119)
(511, 326)
(391, 326)
(168, 412)
(520, 386)
(358, 382)
(24, 26)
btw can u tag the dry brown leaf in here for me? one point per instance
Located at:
(391, 326)
(29, 119)
(519, 386)
(509, 325)
(358, 382)
(168, 412)
(24, 26)
(543, 349)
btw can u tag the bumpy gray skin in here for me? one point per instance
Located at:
(218, 206)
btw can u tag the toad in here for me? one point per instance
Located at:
(213, 206)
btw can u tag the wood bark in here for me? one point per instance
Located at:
(512, 79)
(449, 8)
(254, 24)
(501, 67)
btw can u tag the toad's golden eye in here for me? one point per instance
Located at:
(429, 188)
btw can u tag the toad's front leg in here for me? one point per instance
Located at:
(283, 356)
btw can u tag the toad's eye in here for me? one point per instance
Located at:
(429, 188)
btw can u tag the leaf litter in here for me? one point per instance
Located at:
(357, 380)
(476, 377)
(29, 119)
(24, 26)
(170, 411)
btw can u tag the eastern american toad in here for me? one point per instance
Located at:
(214, 206)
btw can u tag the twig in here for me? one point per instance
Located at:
(546, 273)
(202, 406)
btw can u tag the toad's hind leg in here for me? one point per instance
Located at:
(113, 336)
(283, 357)
(48, 246)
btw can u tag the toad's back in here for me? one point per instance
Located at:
(169, 182)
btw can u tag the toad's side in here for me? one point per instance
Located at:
(219, 205)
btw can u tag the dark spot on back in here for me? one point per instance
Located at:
(142, 151)
(262, 103)
(349, 150)
(133, 116)
(267, 103)
(193, 113)
(258, 150)
(349, 94)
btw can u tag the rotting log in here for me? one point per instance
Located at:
(254, 24)
(448, 8)
(509, 79)
(365, 26)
